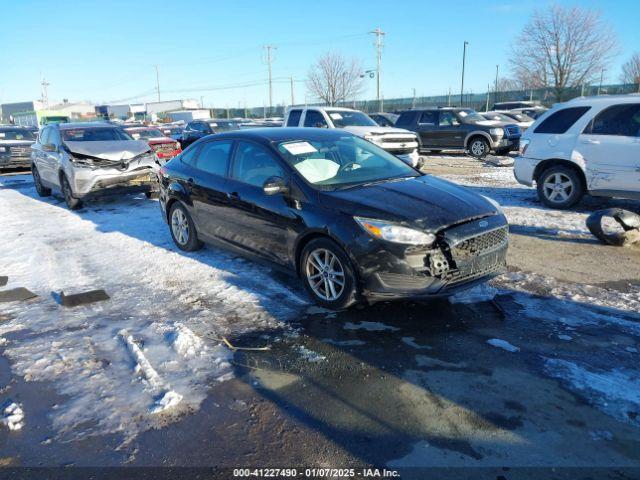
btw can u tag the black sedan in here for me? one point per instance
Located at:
(353, 221)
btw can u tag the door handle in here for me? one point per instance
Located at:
(189, 184)
(590, 141)
(233, 195)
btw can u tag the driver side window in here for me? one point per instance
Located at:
(313, 118)
(253, 164)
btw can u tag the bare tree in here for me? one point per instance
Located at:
(631, 70)
(562, 47)
(507, 84)
(334, 79)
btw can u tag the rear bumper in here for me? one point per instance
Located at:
(524, 169)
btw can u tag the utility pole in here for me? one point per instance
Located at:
(486, 109)
(496, 99)
(379, 34)
(293, 97)
(268, 48)
(413, 102)
(45, 95)
(464, 58)
(157, 82)
(601, 77)
(449, 98)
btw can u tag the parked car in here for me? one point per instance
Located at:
(533, 113)
(15, 146)
(83, 160)
(164, 147)
(352, 220)
(448, 128)
(201, 128)
(384, 119)
(399, 142)
(506, 118)
(172, 130)
(586, 145)
(511, 105)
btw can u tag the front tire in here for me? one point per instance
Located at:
(37, 181)
(327, 274)
(479, 147)
(72, 202)
(559, 187)
(183, 230)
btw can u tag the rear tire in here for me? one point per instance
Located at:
(559, 187)
(183, 230)
(72, 202)
(327, 274)
(37, 181)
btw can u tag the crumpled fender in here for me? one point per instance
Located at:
(629, 221)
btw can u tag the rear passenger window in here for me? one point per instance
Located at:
(428, 118)
(213, 157)
(294, 118)
(562, 120)
(619, 120)
(44, 136)
(189, 155)
(405, 119)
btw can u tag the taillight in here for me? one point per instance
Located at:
(524, 144)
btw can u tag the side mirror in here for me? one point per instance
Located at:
(274, 185)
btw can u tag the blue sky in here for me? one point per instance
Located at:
(105, 50)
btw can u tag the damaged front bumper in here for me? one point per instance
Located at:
(463, 256)
(91, 179)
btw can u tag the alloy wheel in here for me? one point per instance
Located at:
(478, 148)
(180, 226)
(325, 274)
(558, 187)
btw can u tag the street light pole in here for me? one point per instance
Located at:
(601, 77)
(496, 90)
(464, 57)
(378, 33)
(157, 82)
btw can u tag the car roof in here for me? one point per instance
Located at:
(279, 134)
(340, 109)
(605, 99)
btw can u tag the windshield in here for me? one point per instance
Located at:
(470, 116)
(11, 134)
(146, 134)
(223, 126)
(94, 135)
(342, 118)
(498, 117)
(344, 162)
(521, 117)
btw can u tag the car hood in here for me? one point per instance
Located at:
(16, 143)
(362, 131)
(425, 202)
(115, 150)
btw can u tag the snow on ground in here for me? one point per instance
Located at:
(503, 344)
(13, 416)
(127, 364)
(370, 326)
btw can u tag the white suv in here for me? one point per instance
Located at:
(587, 145)
(397, 141)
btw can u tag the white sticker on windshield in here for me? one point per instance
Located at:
(213, 124)
(462, 114)
(335, 116)
(299, 148)
(136, 136)
(2, 135)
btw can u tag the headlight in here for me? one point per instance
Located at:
(494, 203)
(3, 149)
(498, 132)
(372, 138)
(395, 233)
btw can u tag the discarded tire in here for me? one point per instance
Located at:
(629, 221)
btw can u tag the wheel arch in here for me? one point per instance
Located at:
(544, 165)
(306, 238)
(477, 133)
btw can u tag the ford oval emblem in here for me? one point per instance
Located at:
(483, 223)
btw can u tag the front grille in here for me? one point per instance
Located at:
(400, 151)
(391, 139)
(478, 267)
(481, 244)
(513, 131)
(20, 151)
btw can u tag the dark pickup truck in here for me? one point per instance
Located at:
(15, 146)
(463, 129)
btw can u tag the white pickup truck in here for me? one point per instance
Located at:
(401, 143)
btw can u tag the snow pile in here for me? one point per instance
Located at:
(13, 416)
(614, 392)
(126, 365)
(503, 344)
